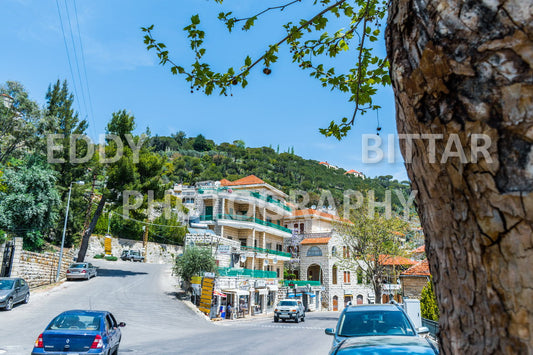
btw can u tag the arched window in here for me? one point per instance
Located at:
(334, 274)
(334, 251)
(314, 251)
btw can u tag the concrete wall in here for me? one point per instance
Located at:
(156, 253)
(39, 269)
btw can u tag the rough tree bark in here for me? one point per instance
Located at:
(465, 67)
(87, 234)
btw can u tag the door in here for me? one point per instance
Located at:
(7, 261)
(335, 303)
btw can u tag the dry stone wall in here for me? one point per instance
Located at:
(156, 253)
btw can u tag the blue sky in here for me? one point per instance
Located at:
(285, 108)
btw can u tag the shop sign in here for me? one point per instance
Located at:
(224, 249)
(260, 284)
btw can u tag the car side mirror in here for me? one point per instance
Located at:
(121, 324)
(329, 331)
(422, 330)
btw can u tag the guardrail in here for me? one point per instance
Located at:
(432, 326)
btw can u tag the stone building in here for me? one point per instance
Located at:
(414, 279)
(318, 250)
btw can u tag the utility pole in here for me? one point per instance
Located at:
(145, 240)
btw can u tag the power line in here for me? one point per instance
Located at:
(85, 71)
(76, 57)
(68, 55)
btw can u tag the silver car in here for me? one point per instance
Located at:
(81, 271)
(13, 290)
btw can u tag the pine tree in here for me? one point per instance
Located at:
(428, 303)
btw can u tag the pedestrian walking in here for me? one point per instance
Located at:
(228, 311)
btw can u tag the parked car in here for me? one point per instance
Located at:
(378, 329)
(81, 271)
(132, 255)
(289, 309)
(13, 290)
(79, 331)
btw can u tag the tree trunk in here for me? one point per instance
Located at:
(85, 239)
(464, 68)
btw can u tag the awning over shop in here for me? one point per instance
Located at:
(290, 295)
(262, 291)
(310, 294)
(237, 292)
(218, 293)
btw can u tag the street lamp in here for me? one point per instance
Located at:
(65, 228)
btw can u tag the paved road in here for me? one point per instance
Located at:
(143, 296)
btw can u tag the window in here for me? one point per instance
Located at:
(279, 247)
(334, 275)
(243, 242)
(346, 277)
(301, 228)
(314, 251)
(255, 243)
(359, 276)
(334, 251)
(269, 245)
(345, 252)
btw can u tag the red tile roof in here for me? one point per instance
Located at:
(324, 240)
(420, 249)
(395, 260)
(420, 269)
(352, 171)
(308, 211)
(248, 180)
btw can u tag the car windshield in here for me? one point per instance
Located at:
(365, 323)
(287, 303)
(6, 284)
(78, 266)
(73, 321)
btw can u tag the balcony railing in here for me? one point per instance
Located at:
(206, 217)
(244, 218)
(265, 251)
(226, 271)
(300, 283)
(254, 194)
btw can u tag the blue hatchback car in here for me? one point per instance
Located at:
(83, 332)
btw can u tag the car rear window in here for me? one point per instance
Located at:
(72, 321)
(78, 266)
(368, 323)
(287, 303)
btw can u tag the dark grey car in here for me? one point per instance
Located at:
(13, 290)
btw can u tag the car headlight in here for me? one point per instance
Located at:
(3, 297)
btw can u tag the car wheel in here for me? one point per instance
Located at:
(276, 319)
(283, 320)
(9, 304)
(27, 298)
(297, 319)
(303, 318)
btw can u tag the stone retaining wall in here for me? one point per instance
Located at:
(39, 269)
(156, 253)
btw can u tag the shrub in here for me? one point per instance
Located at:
(99, 256)
(428, 303)
(111, 258)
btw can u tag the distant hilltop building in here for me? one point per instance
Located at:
(328, 165)
(355, 173)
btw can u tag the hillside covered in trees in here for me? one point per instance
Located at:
(193, 159)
